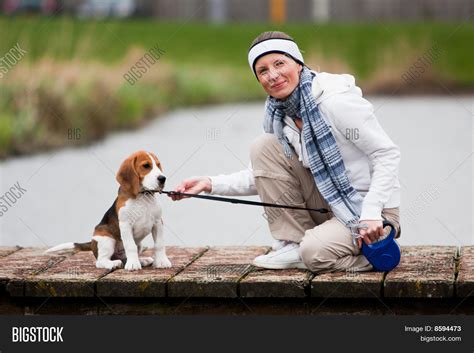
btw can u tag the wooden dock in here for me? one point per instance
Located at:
(429, 279)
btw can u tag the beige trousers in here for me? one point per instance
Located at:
(325, 243)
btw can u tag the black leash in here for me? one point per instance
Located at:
(244, 202)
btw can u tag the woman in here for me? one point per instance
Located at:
(322, 148)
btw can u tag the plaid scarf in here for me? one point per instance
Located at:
(325, 161)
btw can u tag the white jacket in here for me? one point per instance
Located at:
(370, 156)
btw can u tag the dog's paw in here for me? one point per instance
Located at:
(162, 262)
(146, 261)
(133, 265)
(109, 264)
(117, 264)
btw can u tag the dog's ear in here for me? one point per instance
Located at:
(127, 176)
(158, 163)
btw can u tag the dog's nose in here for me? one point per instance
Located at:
(162, 179)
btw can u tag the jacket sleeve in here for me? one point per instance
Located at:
(241, 183)
(351, 111)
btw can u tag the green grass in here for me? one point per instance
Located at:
(73, 67)
(226, 45)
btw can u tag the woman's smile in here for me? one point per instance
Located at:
(278, 85)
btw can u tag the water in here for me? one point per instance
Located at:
(69, 190)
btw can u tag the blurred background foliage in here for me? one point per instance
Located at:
(72, 74)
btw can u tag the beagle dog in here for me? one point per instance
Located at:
(134, 214)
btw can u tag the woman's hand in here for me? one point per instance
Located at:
(192, 186)
(371, 233)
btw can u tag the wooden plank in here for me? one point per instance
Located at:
(423, 272)
(148, 282)
(73, 277)
(348, 284)
(261, 283)
(21, 265)
(465, 280)
(8, 250)
(216, 273)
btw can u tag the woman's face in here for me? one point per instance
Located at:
(278, 74)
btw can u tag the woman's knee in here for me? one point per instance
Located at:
(315, 253)
(261, 145)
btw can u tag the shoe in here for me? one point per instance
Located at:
(286, 257)
(278, 244)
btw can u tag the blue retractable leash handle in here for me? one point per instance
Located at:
(384, 255)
